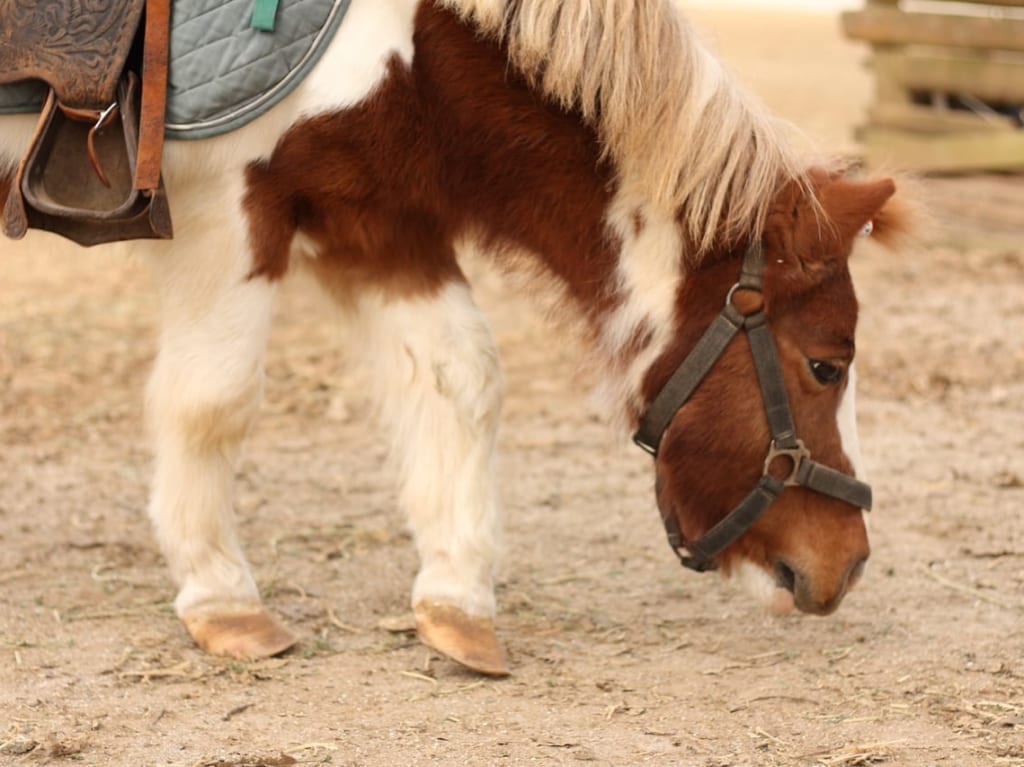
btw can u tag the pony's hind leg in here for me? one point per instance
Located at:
(435, 367)
(202, 398)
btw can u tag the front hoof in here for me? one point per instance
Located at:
(466, 639)
(246, 632)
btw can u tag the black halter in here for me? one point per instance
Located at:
(699, 555)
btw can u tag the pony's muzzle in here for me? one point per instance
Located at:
(818, 594)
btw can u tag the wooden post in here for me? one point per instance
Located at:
(968, 65)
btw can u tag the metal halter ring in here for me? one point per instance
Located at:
(732, 292)
(796, 456)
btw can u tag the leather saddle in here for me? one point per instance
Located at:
(92, 170)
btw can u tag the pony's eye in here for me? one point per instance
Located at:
(825, 372)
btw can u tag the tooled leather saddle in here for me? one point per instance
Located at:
(92, 170)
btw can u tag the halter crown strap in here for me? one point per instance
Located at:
(698, 363)
(687, 378)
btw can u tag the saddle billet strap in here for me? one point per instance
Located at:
(155, 52)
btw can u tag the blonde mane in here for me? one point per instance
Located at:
(680, 131)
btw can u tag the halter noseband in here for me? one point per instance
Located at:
(699, 555)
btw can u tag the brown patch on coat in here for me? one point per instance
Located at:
(454, 144)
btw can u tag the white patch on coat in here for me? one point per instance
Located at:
(648, 276)
(202, 398)
(762, 587)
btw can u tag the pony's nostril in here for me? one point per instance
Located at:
(784, 576)
(856, 571)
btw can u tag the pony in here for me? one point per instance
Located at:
(602, 148)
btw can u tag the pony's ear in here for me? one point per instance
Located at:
(852, 207)
(806, 239)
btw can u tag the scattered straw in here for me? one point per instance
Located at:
(417, 675)
(972, 591)
(854, 756)
(334, 620)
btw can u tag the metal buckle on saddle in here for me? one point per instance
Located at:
(99, 118)
(699, 555)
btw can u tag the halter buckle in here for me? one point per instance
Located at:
(796, 456)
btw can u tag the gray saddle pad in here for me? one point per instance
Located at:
(223, 73)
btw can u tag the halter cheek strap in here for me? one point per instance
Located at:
(699, 555)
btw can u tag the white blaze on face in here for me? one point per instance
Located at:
(847, 421)
(848, 436)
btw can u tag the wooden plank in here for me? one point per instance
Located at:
(945, 154)
(889, 26)
(925, 119)
(999, 79)
(1000, 3)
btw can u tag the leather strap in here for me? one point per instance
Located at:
(764, 494)
(822, 479)
(155, 52)
(698, 363)
(15, 214)
(769, 375)
(687, 378)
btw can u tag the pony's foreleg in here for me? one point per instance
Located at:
(202, 398)
(435, 364)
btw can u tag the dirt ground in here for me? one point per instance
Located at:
(619, 656)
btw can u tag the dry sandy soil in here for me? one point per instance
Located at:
(620, 658)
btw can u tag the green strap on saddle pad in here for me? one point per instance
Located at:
(263, 14)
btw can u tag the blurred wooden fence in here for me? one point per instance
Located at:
(949, 83)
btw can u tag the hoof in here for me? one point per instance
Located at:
(466, 639)
(243, 632)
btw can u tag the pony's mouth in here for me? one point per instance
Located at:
(785, 578)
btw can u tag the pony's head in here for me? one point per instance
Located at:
(715, 447)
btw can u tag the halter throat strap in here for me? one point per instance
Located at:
(699, 555)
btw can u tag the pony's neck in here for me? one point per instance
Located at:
(636, 328)
(535, 177)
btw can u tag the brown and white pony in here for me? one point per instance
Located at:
(599, 142)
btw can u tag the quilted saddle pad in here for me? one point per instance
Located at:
(223, 72)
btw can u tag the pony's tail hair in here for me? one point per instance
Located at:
(682, 134)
